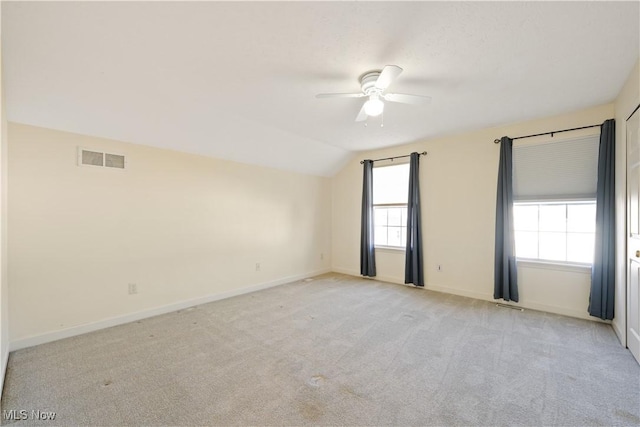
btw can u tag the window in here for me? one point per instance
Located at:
(390, 192)
(554, 189)
(555, 231)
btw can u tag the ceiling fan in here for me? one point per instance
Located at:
(373, 85)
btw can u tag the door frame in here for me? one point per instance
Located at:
(624, 339)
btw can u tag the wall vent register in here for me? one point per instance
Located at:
(100, 159)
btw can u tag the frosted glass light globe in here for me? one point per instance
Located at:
(373, 107)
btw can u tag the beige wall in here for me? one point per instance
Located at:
(182, 227)
(625, 103)
(458, 189)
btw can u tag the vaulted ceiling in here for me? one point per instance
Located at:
(237, 80)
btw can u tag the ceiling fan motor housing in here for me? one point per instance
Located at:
(368, 82)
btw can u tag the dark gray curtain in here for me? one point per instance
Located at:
(601, 300)
(505, 273)
(367, 249)
(413, 265)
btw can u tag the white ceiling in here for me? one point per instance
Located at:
(237, 80)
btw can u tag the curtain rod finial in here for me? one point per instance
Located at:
(496, 141)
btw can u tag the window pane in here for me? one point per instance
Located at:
(395, 216)
(380, 236)
(391, 184)
(553, 218)
(567, 231)
(553, 246)
(581, 217)
(525, 217)
(527, 244)
(404, 217)
(379, 216)
(404, 237)
(395, 236)
(580, 247)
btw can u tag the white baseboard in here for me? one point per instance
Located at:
(388, 279)
(460, 292)
(132, 317)
(622, 336)
(346, 271)
(400, 281)
(484, 296)
(531, 305)
(579, 314)
(3, 371)
(437, 288)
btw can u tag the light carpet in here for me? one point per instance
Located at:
(336, 350)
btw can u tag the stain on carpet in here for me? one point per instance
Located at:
(311, 411)
(351, 392)
(316, 380)
(629, 416)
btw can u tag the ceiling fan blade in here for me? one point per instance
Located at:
(387, 76)
(340, 95)
(407, 99)
(362, 115)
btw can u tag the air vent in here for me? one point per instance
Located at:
(96, 158)
(92, 158)
(113, 160)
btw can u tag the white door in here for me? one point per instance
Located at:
(633, 241)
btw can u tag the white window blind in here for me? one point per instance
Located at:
(558, 170)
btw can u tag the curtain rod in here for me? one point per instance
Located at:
(497, 141)
(424, 153)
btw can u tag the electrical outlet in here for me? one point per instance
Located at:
(257, 266)
(133, 288)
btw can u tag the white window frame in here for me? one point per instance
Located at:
(547, 263)
(390, 205)
(390, 248)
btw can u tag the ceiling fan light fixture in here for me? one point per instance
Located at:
(373, 85)
(374, 106)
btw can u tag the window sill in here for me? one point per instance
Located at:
(554, 265)
(391, 249)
